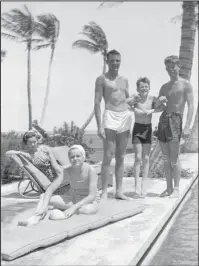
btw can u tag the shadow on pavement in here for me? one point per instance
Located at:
(8, 213)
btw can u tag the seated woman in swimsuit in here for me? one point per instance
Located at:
(43, 159)
(83, 181)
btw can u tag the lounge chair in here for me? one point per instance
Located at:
(35, 182)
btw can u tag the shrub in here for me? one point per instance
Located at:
(65, 135)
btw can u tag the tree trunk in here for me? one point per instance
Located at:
(186, 60)
(188, 31)
(88, 121)
(29, 88)
(43, 114)
(93, 112)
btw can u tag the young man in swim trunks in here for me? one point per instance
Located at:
(116, 123)
(142, 131)
(175, 93)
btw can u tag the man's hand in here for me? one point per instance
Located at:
(135, 98)
(163, 99)
(148, 112)
(101, 133)
(186, 132)
(139, 111)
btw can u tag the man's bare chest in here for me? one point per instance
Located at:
(174, 91)
(114, 86)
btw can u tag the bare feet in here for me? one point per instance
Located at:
(57, 215)
(104, 196)
(136, 195)
(143, 195)
(32, 221)
(175, 193)
(165, 193)
(121, 196)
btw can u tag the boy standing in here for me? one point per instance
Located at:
(142, 131)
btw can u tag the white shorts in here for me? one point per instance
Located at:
(117, 121)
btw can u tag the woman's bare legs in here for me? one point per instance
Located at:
(35, 218)
(56, 201)
(91, 208)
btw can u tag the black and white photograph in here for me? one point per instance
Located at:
(99, 133)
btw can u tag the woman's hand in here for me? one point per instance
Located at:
(69, 212)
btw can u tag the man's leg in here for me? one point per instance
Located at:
(167, 168)
(108, 152)
(137, 163)
(174, 147)
(121, 144)
(146, 148)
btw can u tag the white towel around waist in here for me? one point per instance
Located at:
(117, 121)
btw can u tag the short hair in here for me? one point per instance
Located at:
(144, 80)
(115, 52)
(172, 59)
(29, 134)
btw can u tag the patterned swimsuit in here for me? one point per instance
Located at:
(41, 160)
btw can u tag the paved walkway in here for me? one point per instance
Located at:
(121, 243)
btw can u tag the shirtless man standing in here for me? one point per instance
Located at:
(175, 94)
(116, 123)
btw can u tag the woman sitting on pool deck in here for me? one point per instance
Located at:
(82, 178)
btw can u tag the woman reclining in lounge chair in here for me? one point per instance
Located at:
(82, 178)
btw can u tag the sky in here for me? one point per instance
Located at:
(141, 31)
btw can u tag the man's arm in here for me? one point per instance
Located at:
(127, 88)
(190, 103)
(99, 87)
(158, 103)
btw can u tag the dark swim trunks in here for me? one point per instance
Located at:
(142, 133)
(170, 127)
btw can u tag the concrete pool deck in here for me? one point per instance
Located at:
(120, 243)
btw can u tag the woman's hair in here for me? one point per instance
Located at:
(78, 147)
(29, 134)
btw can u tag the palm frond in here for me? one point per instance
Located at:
(95, 32)
(109, 4)
(36, 40)
(9, 36)
(3, 54)
(101, 42)
(11, 27)
(48, 27)
(89, 46)
(28, 11)
(42, 46)
(19, 22)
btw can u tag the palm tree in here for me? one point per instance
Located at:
(48, 29)
(189, 25)
(3, 54)
(188, 31)
(97, 43)
(20, 26)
